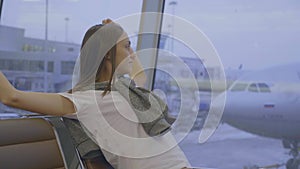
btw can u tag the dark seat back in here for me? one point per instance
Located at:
(29, 143)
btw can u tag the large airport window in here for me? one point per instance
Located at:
(248, 36)
(40, 39)
(199, 41)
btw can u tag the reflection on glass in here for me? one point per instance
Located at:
(38, 48)
(249, 36)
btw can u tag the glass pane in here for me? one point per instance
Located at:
(248, 36)
(40, 39)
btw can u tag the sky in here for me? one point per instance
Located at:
(254, 33)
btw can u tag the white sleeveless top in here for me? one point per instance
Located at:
(113, 125)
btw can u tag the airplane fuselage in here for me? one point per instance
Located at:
(270, 114)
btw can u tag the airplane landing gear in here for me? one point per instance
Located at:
(293, 163)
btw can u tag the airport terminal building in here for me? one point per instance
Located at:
(35, 64)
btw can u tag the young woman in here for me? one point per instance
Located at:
(127, 122)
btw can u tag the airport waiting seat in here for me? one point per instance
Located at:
(29, 143)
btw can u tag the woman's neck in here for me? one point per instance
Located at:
(103, 78)
(105, 73)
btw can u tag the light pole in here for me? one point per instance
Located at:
(46, 21)
(46, 48)
(66, 33)
(173, 4)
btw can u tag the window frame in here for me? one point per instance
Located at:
(150, 41)
(1, 5)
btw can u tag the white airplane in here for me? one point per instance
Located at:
(267, 103)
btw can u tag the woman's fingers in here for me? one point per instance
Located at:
(106, 21)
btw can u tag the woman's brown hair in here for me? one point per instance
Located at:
(98, 41)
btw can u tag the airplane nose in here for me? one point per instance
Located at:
(224, 102)
(219, 101)
(214, 116)
(220, 104)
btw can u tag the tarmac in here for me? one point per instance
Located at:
(230, 148)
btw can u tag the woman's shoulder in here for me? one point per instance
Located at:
(93, 94)
(95, 97)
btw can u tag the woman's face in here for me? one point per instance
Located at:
(124, 56)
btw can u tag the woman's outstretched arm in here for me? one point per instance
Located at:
(43, 103)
